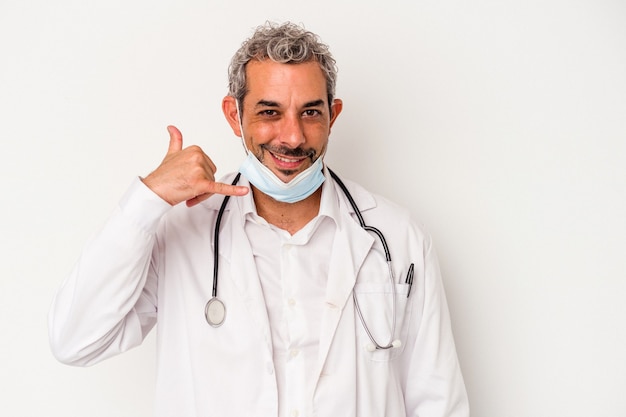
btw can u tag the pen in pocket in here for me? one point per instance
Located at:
(409, 280)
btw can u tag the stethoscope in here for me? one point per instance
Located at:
(215, 309)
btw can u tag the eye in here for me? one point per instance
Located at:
(311, 112)
(268, 112)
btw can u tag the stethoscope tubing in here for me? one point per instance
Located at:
(216, 237)
(383, 241)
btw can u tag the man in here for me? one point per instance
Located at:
(307, 317)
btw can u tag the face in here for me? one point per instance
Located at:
(286, 115)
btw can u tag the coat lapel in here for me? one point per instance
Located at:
(243, 272)
(350, 248)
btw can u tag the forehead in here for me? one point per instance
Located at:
(269, 80)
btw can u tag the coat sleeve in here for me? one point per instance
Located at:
(108, 303)
(435, 386)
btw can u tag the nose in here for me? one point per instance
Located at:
(292, 133)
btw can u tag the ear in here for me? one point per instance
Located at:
(335, 108)
(229, 108)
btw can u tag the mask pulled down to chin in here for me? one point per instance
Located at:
(299, 188)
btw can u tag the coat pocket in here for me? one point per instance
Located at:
(376, 319)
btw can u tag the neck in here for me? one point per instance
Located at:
(287, 216)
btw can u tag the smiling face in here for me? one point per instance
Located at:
(286, 115)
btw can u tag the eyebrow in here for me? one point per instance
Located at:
(269, 103)
(315, 103)
(266, 103)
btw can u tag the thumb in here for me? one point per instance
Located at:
(176, 140)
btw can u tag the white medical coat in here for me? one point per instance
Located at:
(153, 264)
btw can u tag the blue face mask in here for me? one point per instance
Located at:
(299, 188)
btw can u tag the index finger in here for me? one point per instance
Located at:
(227, 189)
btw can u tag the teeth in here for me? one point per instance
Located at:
(285, 159)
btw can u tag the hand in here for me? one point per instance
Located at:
(187, 175)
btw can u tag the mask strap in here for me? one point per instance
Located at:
(239, 119)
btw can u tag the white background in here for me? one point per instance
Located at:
(500, 124)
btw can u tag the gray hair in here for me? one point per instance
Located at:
(286, 43)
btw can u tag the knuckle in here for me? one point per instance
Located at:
(194, 153)
(197, 151)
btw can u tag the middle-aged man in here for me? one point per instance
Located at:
(312, 311)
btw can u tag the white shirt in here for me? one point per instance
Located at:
(293, 271)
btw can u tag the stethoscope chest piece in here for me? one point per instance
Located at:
(215, 312)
